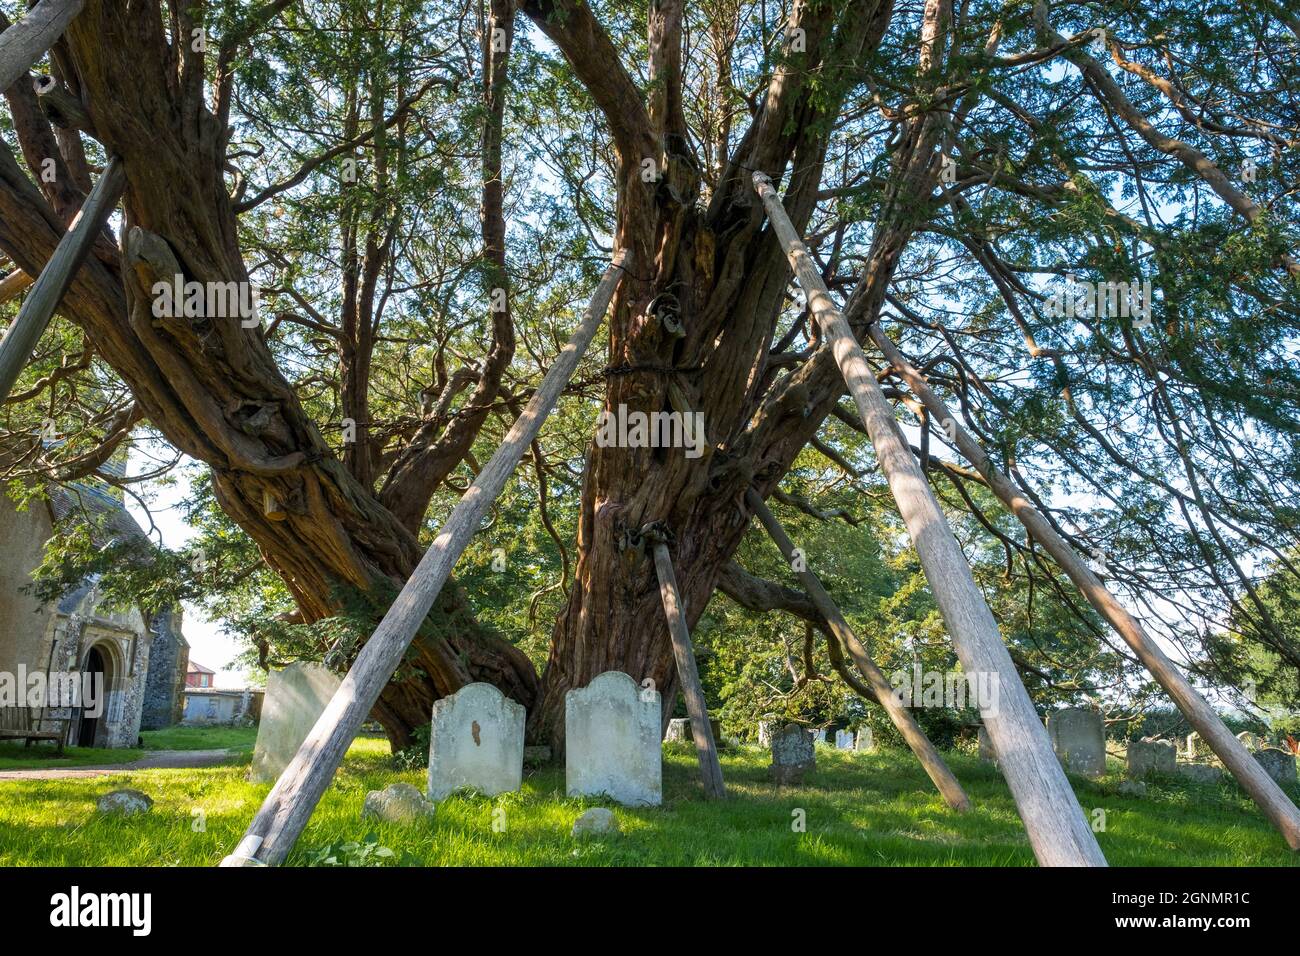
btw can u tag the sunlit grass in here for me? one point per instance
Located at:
(858, 809)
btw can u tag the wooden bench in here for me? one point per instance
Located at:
(19, 723)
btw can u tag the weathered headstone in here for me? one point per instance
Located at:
(678, 730)
(127, 802)
(1194, 748)
(843, 740)
(766, 730)
(397, 803)
(612, 730)
(295, 698)
(1278, 764)
(986, 745)
(476, 742)
(1150, 755)
(1079, 740)
(1248, 740)
(866, 740)
(792, 755)
(1200, 772)
(595, 821)
(819, 736)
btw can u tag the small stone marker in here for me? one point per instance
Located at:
(986, 745)
(866, 740)
(843, 740)
(678, 730)
(476, 742)
(1278, 764)
(126, 801)
(792, 755)
(612, 747)
(397, 803)
(595, 820)
(1151, 755)
(1200, 772)
(1079, 740)
(1131, 788)
(295, 698)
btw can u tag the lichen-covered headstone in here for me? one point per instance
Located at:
(1079, 740)
(1150, 755)
(1200, 772)
(766, 730)
(792, 755)
(843, 740)
(476, 742)
(397, 803)
(1278, 764)
(126, 801)
(612, 729)
(295, 698)
(866, 740)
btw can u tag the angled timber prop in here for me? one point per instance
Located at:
(684, 655)
(47, 291)
(1058, 831)
(920, 744)
(26, 41)
(1254, 780)
(290, 803)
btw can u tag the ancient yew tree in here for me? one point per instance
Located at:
(423, 190)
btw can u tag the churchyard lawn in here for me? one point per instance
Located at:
(14, 756)
(857, 809)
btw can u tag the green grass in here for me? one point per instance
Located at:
(861, 809)
(42, 756)
(201, 738)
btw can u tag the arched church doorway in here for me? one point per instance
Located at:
(98, 666)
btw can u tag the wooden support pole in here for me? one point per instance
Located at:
(26, 41)
(1054, 821)
(1254, 780)
(702, 732)
(289, 805)
(925, 751)
(20, 340)
(13, 285)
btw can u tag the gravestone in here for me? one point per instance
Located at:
(1278, 764)
(1150, 755)
(1200, 772)
(295, 698)
(866, 740)
(843, 740)
(986, 745)
(819, 736)
(792, 755)
(1248, 740)
(476, 742)
(612, 730)
(680, 729)
(766, 730)
(397, 803)
(1079, 740)
(1194, 748)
